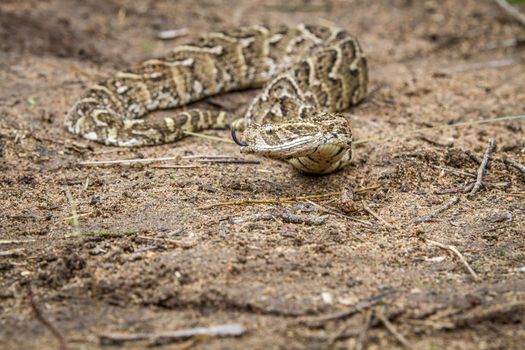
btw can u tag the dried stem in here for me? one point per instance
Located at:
(269, 200)
(483, 167)
(513, 12)
(516, 165)
(376, 216)
(438, 211)
(458, 254)
(127, 161)
(280, 199)
(40, 317)
(400, 338)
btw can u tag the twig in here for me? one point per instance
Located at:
(176, 166)
(286, 217)
(172, 34)
(513, 12)
(400, 338)
(482, 167)
(225, 330)
(269, 200)
(458, 254)
(228, 161)
(454, 171)
(336, 213)
(40, 317)
(463, 189)
(516, 165)
(15, 241)
(13, 253)
(439, 210)
(360, 306)
(376, 216)
(127, 161)
(362, 338)
(203, 156)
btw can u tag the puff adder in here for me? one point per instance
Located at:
(308, 73)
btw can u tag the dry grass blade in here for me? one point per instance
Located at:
(459, 255)
(208, 137)
(127, 161)
(341, 215)
(282, 199)
(376, 216)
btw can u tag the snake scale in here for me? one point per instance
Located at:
(308, 73)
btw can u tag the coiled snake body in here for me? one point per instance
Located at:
(308, 74)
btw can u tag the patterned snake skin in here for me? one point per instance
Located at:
(308, 74)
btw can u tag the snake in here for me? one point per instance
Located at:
(307, 75)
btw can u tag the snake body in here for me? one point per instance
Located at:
(308, 74)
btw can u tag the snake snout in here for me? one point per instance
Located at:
(236, 139)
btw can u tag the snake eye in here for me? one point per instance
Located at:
(268, 129)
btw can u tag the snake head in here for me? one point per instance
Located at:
(320, 144)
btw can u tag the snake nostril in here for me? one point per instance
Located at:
(237, 141)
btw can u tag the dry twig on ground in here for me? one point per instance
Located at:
(459, 255)
(127, 161)
(483, 167)
(360, 306)
(438, 211)
(225, 330)
(376, 216)
(284, 216)
(269, 200)
(40, 317)
(400, 338)
(516, 165)
(512, 11)
(336, 213)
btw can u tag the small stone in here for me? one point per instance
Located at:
(327, 298)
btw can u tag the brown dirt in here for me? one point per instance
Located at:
(145, 258)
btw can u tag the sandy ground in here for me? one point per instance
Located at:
(148, 253)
